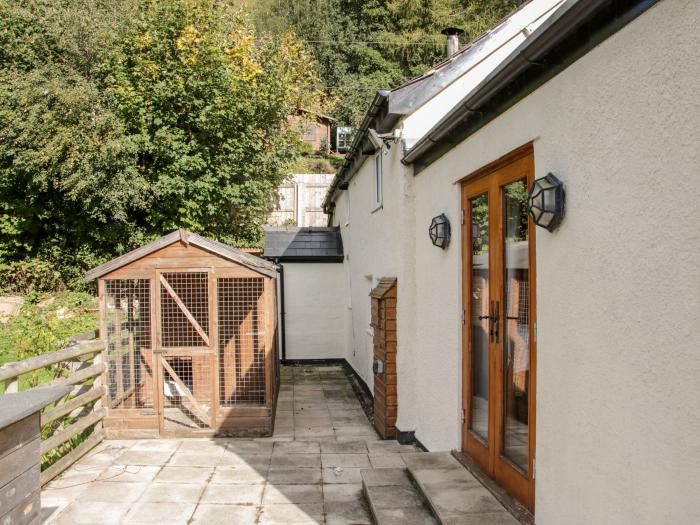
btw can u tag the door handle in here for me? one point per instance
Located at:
(496, 321)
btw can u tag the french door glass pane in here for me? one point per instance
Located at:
(516, 325)
(479, 324)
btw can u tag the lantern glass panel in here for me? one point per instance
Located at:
(539, 200)
(545, 219)
(550, 200)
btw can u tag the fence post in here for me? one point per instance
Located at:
(12, 386)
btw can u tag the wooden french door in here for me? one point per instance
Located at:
(499, 329)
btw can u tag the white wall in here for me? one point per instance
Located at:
(372, 247)
(618, 352)
(314, 298)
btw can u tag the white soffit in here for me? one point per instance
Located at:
(482, 58)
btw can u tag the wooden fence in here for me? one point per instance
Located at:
(66, 434)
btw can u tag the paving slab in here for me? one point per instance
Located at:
(342, 492)
(385, 477)
(189, 459)
(315, 469)
(410, 516)
(454, 495)
(218, 514)
(386, 461)
(347, 513)
(389, 447)
(294, 475)
(128, 474)
(252, 447)
(144, 457)
(297, 514)
(173, 492)
(91, 512)
(344, 447)
(342, 475)
(296, 447)
(108, 491)
(157, 513)
(176, 474)
(296, 460)
(292, 494)
(157, 445)
(393, 499)
(345, 460)
(240, 494)
(260, 462)
(238, 476)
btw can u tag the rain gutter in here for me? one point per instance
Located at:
(573, 30)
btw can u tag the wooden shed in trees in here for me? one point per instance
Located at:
(190, 329)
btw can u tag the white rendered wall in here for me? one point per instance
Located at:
(618, 285)
(372, 245)
(314, 298)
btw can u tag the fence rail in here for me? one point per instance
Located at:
(73, 425)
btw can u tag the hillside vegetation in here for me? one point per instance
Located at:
(363, 45)
(121, 120)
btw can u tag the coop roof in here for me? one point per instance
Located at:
(218, 248)
(311, 244)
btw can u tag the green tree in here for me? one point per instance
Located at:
(123, 119)
(207, 104)
(363, 45)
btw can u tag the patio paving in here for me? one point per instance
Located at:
(308, 472)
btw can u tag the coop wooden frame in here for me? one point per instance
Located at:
(250, 317)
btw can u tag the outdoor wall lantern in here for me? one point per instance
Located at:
(546, 202)
(440, 231)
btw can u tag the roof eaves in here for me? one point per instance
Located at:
(350, 166)
(471, 113)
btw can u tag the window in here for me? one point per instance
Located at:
(378, 180)
(309, 132)
(343, 137)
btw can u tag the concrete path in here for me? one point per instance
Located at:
(307, 473)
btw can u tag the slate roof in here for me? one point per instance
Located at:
(311, 244)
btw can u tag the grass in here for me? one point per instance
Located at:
(45, 324)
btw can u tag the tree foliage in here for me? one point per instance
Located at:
(121, 120)
(364, 45)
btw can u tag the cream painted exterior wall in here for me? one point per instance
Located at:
(372, 248)
(618, 285)
(314, 302)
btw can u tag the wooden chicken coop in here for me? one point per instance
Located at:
(190, 330)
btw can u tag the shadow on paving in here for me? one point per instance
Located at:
(308, 472)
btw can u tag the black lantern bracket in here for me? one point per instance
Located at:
(439, 231)
(546, 202)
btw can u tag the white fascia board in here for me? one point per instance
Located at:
(482, 58)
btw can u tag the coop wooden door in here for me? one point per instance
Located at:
(186, 351)
(499, 329)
